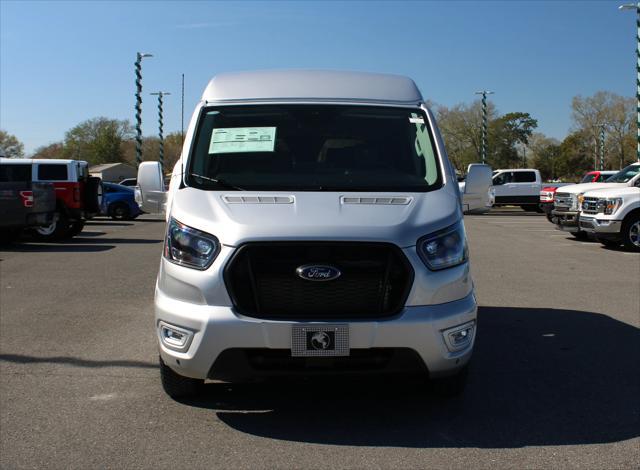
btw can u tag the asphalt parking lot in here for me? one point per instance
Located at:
(554, 381)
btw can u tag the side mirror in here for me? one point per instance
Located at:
(150, 193)
(478, 179)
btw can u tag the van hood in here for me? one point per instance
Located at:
(584, 187)
(236, 217)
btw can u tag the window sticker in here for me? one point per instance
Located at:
(242, 140)
(424, 148)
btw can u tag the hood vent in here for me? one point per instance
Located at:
(383, 201)
(258, 199)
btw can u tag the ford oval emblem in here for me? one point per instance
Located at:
(318, 272)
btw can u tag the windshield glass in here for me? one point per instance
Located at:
(588, 178)
(625, 174)
(314, 148)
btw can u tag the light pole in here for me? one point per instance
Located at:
(160, 95)
(602, 147)
(138, 65)
(484, 94)
(636, 7)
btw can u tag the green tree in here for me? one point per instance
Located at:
(505, 134)
(10, 146)
(97, 140)
(54, 150)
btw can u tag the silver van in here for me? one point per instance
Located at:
(314, 226)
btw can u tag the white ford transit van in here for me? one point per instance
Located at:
(314, 226)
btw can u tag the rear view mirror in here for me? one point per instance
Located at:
(150, 192)
(478, 179)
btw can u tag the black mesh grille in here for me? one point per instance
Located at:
(262, 280)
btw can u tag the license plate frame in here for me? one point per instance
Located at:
(320, 340)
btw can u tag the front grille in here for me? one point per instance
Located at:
(374, 282)
(562, 201)
(590, 205)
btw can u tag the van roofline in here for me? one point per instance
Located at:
(312, 86)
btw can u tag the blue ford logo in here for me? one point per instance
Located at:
(316, 272)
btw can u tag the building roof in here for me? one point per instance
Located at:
(106, 166)
(312, 85)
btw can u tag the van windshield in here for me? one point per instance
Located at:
(314, 148)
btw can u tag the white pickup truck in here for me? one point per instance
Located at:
(518, 187)
(613, 216)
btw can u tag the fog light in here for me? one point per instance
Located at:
(174, 337)
(459, 337)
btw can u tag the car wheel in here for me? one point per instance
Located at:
(119, 211)
(581, 235)
(177, 386)
(56, 230)
(631, 233)
(75, 228)
(452, 386)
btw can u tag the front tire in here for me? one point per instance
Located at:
(580, 235)
(55, 231)
(177, 386)
(119, 211)
(631, 233)
(75, 228)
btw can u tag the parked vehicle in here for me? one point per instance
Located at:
(78, 195)
(517, 187)
(317, 223)
(129, 182)
(23, 203)
(613, 215)
(479, 199)
(548, 192)
(597, 176)
(566, 206)
(118, 202)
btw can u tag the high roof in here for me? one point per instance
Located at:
(322, 85)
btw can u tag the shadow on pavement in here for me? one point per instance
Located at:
(74, 361)
(56, 248)
(79, 240)
(107, 223)
(539, 377)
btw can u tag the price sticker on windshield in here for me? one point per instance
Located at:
(242, 140)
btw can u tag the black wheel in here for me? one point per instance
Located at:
(119, 211)
(631, 233)
(549, 217)
(452, 386)
(580, 235)
(57, 230)
(75, 228)
(177, 386)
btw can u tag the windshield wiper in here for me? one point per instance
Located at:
(219, 182)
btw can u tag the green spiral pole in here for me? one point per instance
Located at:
(483, 150)
(161, 95)
(601, 148)
(138, 107)
(636, 7)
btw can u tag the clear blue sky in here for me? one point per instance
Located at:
(64, 62)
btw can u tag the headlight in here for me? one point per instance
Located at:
(444, 248)
(609, 206)
(190, 247)
(576, 201)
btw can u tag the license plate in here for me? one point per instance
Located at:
(320, 340)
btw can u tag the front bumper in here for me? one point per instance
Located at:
(567, 221)
(600, 227)
(217, 329)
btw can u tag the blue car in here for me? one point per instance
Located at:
(118, 202)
